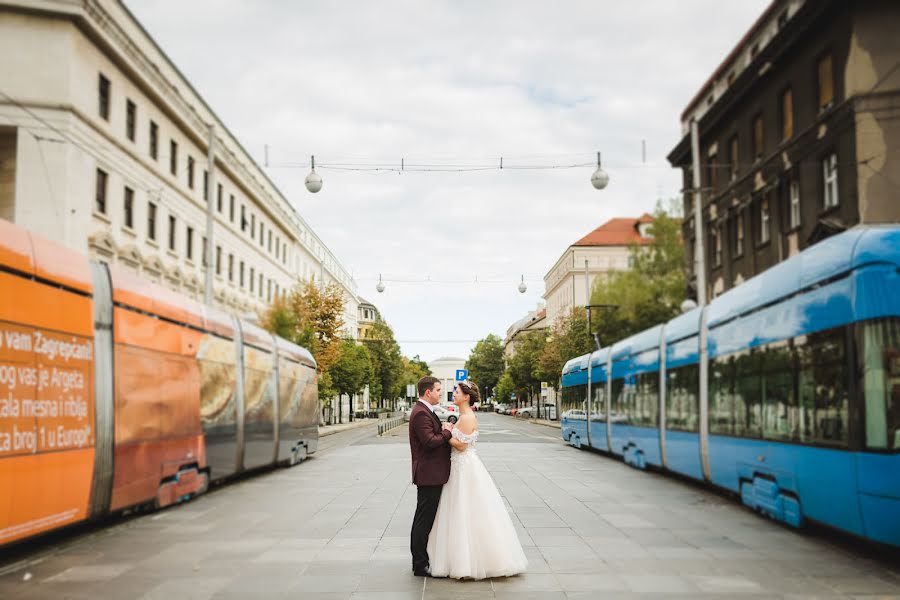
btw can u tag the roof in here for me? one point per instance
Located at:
(725, 64)
(617, 232)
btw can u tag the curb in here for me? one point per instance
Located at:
(333, 429)
(553, 424)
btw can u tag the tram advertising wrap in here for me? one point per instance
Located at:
(117, 393)
(785, 390)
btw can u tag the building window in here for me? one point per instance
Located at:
(154, 140)
(711, 167)
(758, 137)
(189, 243)
(171, 232)
(764, 221)
(219, 198)
(203, 260)
(717, 245)
(218, 260)
(130, 119)
(173, 157)
(252, 278)
(190, 169)
(129, 207)
(241, 274)
(787, 114)
(103, 97)
(794, 190)
(260, 285)
(100, 197)
(243, 218)
(151, 220)
(825, 82)
(231, 208)
(269, 292)
(739, 234)
(252, 225)
(734, 156)
(206, 185)
(829, 175)
(230, 267)
(270, 240)
(262, 235)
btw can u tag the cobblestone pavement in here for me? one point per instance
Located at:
(337, 527)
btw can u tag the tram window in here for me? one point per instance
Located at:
(682, 409)
(822, 388)
(721, 396)
(647, 400)
(573, 398)
(598, 401)
(780, 415)
(747, 389)
(880, 358)
(617, 410)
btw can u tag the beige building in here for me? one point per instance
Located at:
(535, 320)
(367, 314)
(599, 253)
(445, 369)
(103, 147)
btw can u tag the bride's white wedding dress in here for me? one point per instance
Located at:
(472, 535)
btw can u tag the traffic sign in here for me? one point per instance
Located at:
(462, 374)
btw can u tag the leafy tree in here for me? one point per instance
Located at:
(414, 369)
(387, 362)
(485, 364)
(311, 317)
(505, 388)
(352, 370)
(651, 292)
(524, 366)
(569, 339)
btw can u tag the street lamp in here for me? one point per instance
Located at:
(313, 180)
(599, 179)
(523, 287)
(380, 286)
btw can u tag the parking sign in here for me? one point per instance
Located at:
(462, 374)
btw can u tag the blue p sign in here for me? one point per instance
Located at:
(462, 374)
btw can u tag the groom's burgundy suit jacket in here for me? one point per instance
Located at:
(429, 447)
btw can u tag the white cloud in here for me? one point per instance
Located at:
(454, 82)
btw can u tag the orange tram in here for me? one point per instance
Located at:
(117, 393)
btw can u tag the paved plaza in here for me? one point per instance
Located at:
(337, 527)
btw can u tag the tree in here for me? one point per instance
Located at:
(524, 366)
(505, 388)
(651, 292)
(352, 370)
(413, 370)
(485, 364)
(386, 362)
(568, 340)
(311, 317)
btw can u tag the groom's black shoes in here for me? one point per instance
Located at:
(426, 572)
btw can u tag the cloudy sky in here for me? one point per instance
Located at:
(454, 83)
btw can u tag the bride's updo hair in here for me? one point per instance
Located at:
(470, 389)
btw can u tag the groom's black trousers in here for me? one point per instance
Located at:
(426, 508)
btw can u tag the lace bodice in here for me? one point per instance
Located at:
(467, 438)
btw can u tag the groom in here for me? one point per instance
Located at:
(428, 443)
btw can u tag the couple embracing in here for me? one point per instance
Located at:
(461, 528)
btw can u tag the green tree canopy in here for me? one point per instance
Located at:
(312, 317)
(651, 292)
(505, 388)
(485, 363)
(386, 359)
(524, 366)
(352, 370)
(568, 340)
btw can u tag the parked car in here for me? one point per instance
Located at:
(526, 412)
(575, 414)
(444, 414)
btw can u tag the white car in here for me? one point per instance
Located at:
(443, 413)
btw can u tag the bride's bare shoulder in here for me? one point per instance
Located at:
(467, 423)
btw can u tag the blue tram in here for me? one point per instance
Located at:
(784, 390)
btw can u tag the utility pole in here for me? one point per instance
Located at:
(211, 169)
(699, 256)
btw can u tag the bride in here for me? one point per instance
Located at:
(472, 535)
